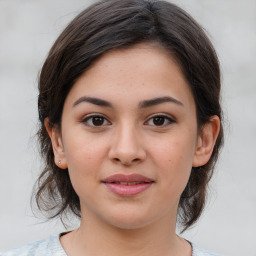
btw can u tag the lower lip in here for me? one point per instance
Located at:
(127, 190)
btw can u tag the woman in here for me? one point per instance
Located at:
(130, 130)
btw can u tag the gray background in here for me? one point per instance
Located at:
(27, 30)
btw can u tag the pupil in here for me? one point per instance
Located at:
(158, 120)
(97, 121)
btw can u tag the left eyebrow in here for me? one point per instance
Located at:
(142, 104)
(159, 100)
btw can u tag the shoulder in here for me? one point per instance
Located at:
(48, 247)
(200, 252)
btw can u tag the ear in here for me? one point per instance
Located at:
(57, 145)
(206, 141)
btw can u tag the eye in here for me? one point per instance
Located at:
(95, 121)
(160, 120)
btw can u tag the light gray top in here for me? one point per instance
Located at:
(52, 247)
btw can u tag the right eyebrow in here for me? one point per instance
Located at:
(93, 100)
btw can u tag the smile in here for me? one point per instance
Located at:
(127, 185)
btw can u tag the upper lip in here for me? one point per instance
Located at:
(127, 178)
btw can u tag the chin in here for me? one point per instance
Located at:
(129, 220)
(128, 224)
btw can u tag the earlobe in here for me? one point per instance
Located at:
(57, 145)
(206, 141)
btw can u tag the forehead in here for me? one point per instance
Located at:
(142, 71)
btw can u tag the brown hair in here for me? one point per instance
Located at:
(116, 24)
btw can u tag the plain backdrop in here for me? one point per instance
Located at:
(28, 28)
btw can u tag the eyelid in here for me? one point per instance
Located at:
(165, 116)
(89, 116)
(168, 117)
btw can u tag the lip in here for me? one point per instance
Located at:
(119, 184)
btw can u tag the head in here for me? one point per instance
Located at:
(110, 26)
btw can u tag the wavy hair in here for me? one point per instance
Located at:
(118, 24)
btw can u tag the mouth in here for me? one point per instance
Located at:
(127, 185)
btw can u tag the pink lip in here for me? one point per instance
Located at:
(113, 184)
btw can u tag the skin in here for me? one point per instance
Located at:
(127, 139)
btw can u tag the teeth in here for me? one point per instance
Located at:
(128, 183)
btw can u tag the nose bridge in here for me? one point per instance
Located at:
(127, 146)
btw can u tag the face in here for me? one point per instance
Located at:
(129, 137)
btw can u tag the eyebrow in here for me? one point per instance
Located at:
(142, 104)
(159, 100)
(95, 101)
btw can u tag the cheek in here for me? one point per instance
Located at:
(84, 157)
(174, 152)
(82, 150)
(173, 159)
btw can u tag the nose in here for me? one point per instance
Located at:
(127, 147)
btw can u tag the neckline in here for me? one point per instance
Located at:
(64, 233)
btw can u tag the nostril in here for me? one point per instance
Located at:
(126, 162)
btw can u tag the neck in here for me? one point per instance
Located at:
(95, 237)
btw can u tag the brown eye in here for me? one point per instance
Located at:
(160, 121)
(95, 121)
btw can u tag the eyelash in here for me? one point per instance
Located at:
(85, 120)
(168, 118)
